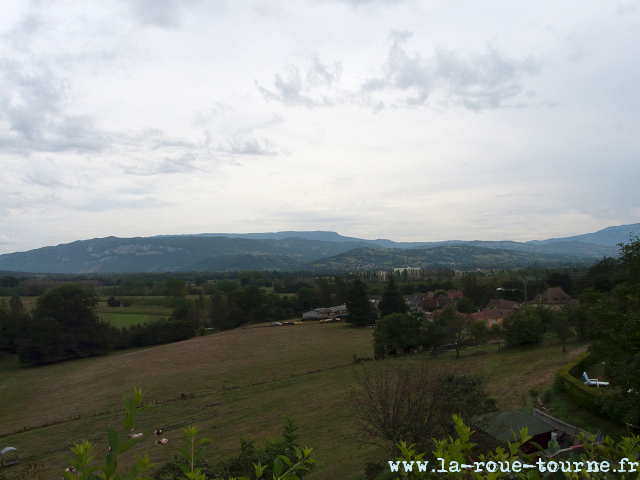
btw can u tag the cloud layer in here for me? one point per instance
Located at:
(375, 118)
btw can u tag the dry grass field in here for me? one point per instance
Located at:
(235, 383)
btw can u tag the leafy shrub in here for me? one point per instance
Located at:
(404, 402)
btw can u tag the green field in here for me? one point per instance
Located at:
(133, 315)
(236, 383)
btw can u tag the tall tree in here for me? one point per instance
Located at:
(64, 325)
(392, 300)
(394, 402)
(359, 307)
(616, 335)
(396, 333)
(460, 329)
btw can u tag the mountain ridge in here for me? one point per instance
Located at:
(291, 250)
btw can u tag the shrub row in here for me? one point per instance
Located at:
(569, 380)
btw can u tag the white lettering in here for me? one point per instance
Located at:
(541, 465)
(408, 467)
(622, 462)
(394, 468)
(592, 466)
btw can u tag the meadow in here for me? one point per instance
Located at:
(233, 384)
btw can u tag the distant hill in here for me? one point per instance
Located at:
(610, 236)
(461, 257)
(318, 235)
(573, 248)
(293, 250)
(175, 253)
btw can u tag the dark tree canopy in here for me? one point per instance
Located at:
(175, 287)
(616, 335)
(358, 305)
(518, 329)
(405, 402)
(69, 305)
(396, 333)
(392, 300)
(64, 325)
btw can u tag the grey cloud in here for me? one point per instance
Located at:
(160, 13)
(33, 117)
(12, 201)
(403, 72)
(167, 14)
(21, 36)
(156, 139)
(367, 3)
(203, 117)
(484, 80)
(320, 74)
(168, 165)
(103, 204)
(477, 81)
(4, 240)
(45, 180)
(288, 90)
(239, 145)
(292, 90)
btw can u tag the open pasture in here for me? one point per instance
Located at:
(235, 383)
(132, 315)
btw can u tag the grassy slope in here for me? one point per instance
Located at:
(276, 370)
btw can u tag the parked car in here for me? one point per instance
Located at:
(276, 324)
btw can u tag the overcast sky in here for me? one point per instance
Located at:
(408, 120)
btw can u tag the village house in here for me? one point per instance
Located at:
(432, 304)
(492, 316)
(319, 313)
(555, 298)
(505, 304)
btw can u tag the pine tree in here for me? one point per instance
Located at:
(358, 305)
(392, 300)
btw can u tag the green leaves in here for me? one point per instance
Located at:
(114, 440)
(191, 454)
(108, 470)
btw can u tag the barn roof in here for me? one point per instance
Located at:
(500, 424)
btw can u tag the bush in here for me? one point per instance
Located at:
(113, 302)
(396, 333)
(404, 402)
(569, 380)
